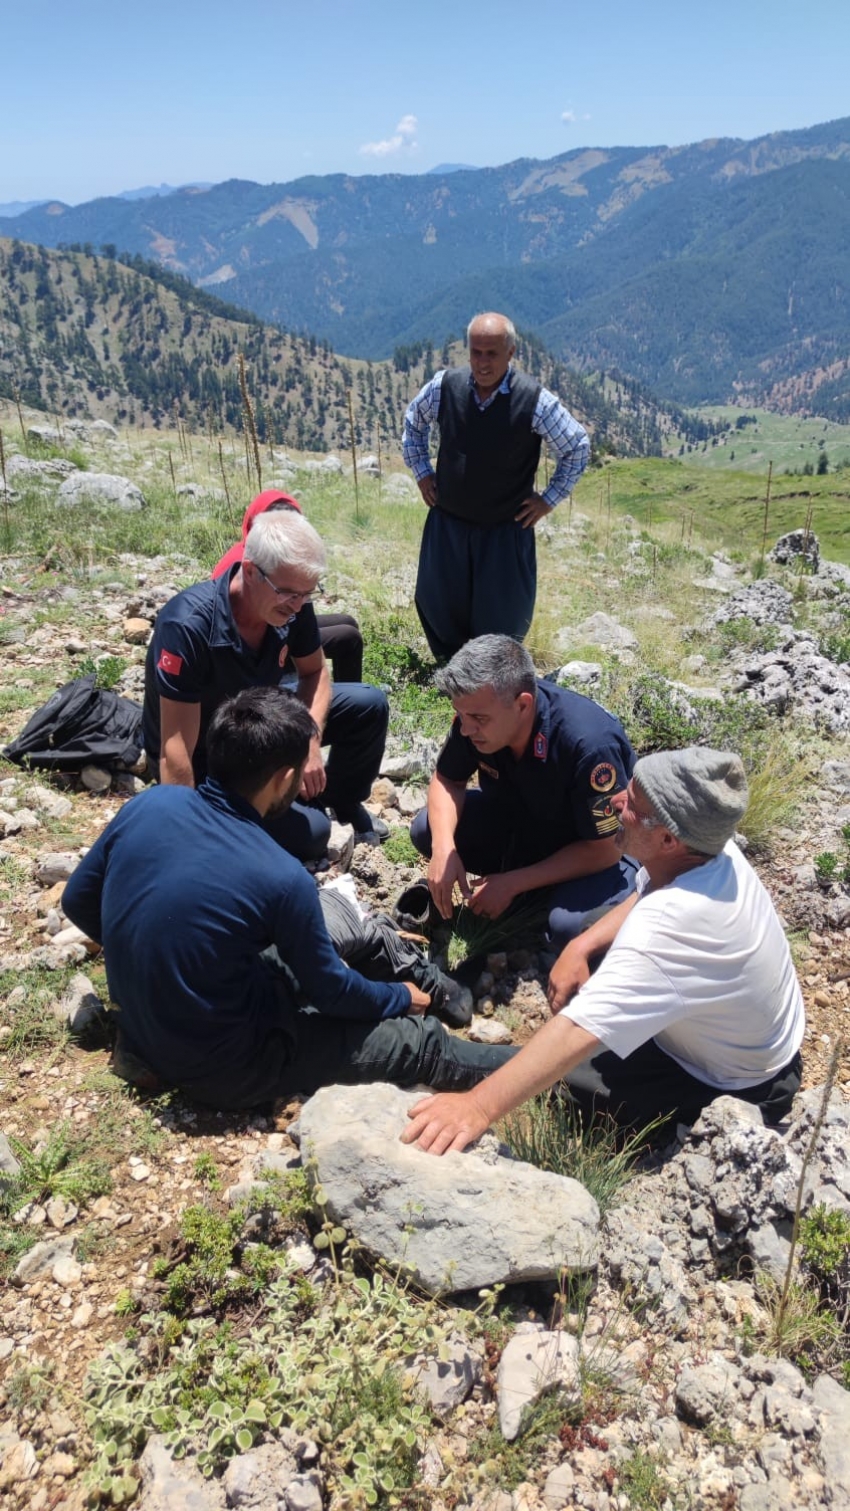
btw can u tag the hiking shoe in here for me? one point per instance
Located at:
(129, 1067)
(412, 909)
(367, 828)
(450, 1001)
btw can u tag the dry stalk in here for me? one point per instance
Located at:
(173, 478)
(353, 454)
(766, 512)
(801, 1184)
(16, 395)
(250, 423)
(223, 472)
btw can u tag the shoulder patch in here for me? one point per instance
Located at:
(541, 746)
(170, 663)
(603, 777)
(284, 652)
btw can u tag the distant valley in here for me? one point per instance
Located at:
(715, 272)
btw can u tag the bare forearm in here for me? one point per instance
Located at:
(551, 1054)
(175, 765)
(315, 692)
(601, 934)
(583, 858)
(445, 805)
(451, 1120)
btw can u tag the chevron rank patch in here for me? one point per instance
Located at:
(604, 817)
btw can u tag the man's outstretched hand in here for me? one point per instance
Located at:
(450, 1120)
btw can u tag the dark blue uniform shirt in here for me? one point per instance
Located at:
(198, 656)
(560, 789)
(185, 889)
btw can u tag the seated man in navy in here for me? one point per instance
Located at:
(541, 821)
(256, 627)
(214, 939)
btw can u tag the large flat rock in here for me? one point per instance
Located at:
(458, 1222)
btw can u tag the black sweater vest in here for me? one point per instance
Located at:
(487, 458)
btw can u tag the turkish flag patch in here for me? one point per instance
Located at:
(169, 663)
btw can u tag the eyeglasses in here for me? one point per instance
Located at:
(287, 595)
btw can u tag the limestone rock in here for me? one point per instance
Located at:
(137, 631)
(56, 865)
(80, 1006)
(531, 1363)
(96, 778)
(105, 488)
(457, 1222)
(832, 1406)
(602, 630)
(40, 1260)
(447, 1381)
(170, 1486)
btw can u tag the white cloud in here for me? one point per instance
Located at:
(404, 137)
(568, 117)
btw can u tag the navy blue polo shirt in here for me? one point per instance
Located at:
(560, 789)
(185, 889)
(197, 655)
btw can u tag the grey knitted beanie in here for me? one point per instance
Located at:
(699, 795)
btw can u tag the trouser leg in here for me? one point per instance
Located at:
(482, 834)
(504, 580)
(444, 584)
(648, 1084)
(303, 830)
(574, 905)
(372, 945)
(342, 644)
(406, 1051)
(356, 731)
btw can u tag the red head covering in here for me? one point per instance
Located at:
(258, 505)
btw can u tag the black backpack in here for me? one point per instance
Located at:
(78, 725)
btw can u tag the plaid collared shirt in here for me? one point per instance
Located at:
(565, 437)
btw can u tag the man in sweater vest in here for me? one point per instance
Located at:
(477, 564)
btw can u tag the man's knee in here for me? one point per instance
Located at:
(565, 924)
(420, 833)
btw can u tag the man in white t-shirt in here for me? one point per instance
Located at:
(696, 994)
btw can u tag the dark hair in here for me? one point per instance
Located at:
(256, 734)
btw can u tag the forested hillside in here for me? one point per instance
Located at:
(128, 341)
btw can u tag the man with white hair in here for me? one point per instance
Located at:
(477, 564)
(696, 994)
(255, 627)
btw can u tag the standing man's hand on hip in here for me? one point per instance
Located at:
(531, 510)
(427, 486)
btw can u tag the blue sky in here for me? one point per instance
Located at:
(100, 96)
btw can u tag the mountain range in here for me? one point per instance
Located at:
(710, 272)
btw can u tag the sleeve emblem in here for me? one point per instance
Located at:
(541, 746)
(603, 777)
(169, 663)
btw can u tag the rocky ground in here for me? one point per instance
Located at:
(701, 1421)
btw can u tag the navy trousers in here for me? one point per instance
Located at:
(356, 732)
(474, 580)
(648, 1084)
(488, 841)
